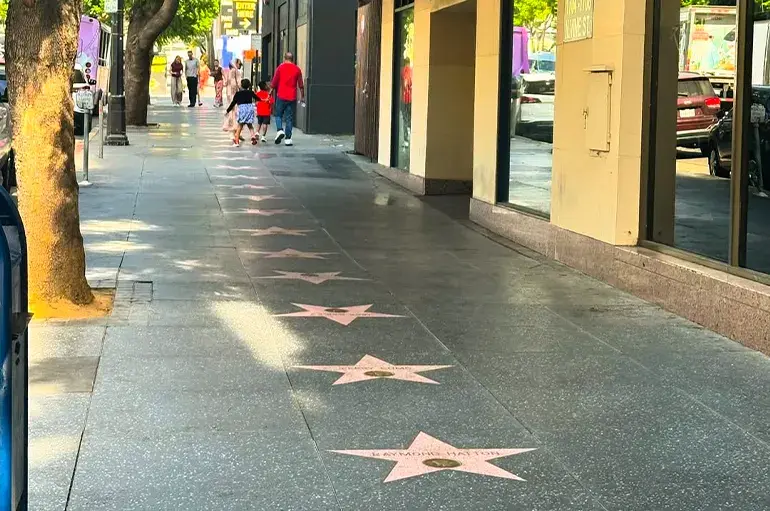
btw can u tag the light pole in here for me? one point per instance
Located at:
(116, 134)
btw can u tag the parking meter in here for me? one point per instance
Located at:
(14, 318)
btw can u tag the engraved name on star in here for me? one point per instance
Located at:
(289, 253)
(313, 278)
(427, 454)
(372, 368)
(342, 315)
(274, 231)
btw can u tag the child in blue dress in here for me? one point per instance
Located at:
(244, 99)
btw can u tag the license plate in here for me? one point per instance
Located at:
(688, 112)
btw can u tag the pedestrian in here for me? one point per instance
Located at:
(286, 80)
(264, 110)
(192, 69)
(219, 83)
(177, 86)
(234, 78)
(205, 73)
(244, 100)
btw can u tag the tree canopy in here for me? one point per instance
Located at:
(193, 20)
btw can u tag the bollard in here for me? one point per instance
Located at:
(14, 319)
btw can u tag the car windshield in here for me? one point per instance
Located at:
(546, 66)
(697, 87)
(78, 76)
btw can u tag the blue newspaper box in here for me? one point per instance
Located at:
(14, 318)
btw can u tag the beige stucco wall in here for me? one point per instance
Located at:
(487, 72)
(386, 83)
(449, 135)
(598, 194)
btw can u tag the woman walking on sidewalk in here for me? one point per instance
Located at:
(177, 85)
(219, 83)
(234, 77)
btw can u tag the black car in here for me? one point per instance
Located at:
(721, 143)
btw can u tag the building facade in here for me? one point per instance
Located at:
(322, 36)
(634, 145)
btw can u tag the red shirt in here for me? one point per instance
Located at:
(265, 105)
(176, 69)
(406, 85)
(287, 78)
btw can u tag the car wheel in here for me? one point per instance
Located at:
(715, 164)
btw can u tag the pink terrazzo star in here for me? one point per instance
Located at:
(288, 253)
(313, 278)
(372, 368)
(260, 212)
(274, 231)
(427, 454)
(342, 315)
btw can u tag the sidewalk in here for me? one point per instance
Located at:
(292, 333)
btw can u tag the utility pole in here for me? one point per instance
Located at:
(116, 134)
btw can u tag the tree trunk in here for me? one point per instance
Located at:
(138, 63)
(147, 20)
(41, 44)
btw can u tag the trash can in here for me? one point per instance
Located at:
(14, 319)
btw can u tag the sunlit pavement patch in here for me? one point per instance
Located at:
(290, 253)
(274, 231)
(427, 454)
(372, 368)
(245, 187)
(313, 278)
(238, 176)
(260, 212)
(342, 315)
(254, 198)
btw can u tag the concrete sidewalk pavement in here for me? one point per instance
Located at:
(291, 332)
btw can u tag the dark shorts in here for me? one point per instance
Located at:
(263, 120)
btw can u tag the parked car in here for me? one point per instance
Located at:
(697, 107)
(79, 83)
(541, 78)
(3, 79)
(721, 143)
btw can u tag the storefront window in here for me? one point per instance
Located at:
(757, 193)
(402, 85)
(711, 200)
(533, 89)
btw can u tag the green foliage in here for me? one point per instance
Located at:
(533, 14)
(193, 20)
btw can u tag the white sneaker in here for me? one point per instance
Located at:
(279, 137)
(263, 139)
(288, 142)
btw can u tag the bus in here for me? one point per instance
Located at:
(93, 57)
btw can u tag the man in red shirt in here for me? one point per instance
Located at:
(286, 80)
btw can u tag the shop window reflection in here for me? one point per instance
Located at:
(758, 132)
(404, 56)
(532, 109)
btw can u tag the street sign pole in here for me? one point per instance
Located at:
(117, 111)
